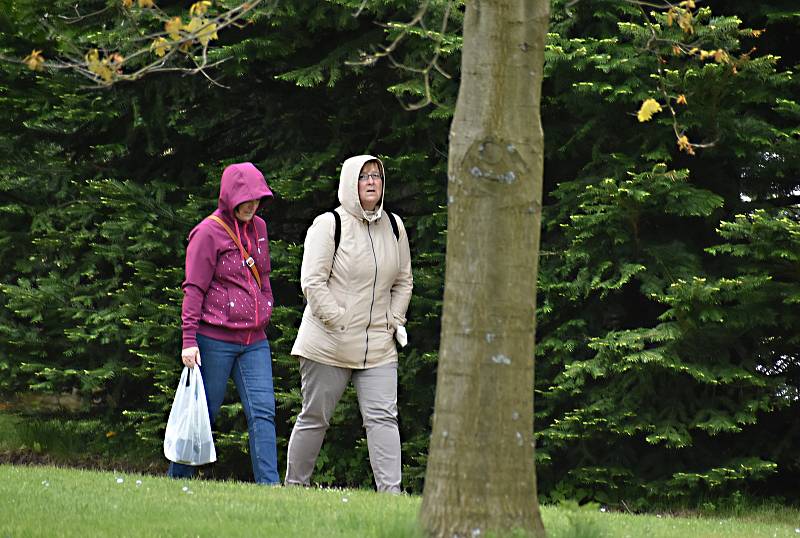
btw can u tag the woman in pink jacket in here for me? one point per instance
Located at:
(227, 304)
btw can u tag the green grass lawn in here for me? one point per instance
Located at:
(48, 501)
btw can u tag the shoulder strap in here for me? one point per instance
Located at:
(337, 230)
(251, 263)
(393, 221)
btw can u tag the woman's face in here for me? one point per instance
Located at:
(370, 186)
(245, 211)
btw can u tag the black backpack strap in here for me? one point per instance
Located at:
(337, 230)
(393, 221)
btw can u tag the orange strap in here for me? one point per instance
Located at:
(248, 259)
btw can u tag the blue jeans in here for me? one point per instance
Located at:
(251, 367)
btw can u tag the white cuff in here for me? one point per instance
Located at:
(401, 336)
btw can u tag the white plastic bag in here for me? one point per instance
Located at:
(188, 437)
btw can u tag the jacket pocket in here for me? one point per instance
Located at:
(265, 307)
(389, 322)
(242, 308)
(340, 323)
(216, 309)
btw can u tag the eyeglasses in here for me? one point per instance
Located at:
(375, 176)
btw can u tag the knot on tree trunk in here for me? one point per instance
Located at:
(495, 161)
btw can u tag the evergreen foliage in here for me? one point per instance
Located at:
(667, 364)
(667, 367)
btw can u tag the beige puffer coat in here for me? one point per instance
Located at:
(357, 299)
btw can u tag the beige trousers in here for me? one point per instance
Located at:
(322, 387)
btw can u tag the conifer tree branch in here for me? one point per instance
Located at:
(433, 64)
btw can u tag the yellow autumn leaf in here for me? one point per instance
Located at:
(201, 29)
(173, 28)
(685, 145)
(194, 24)
(199, 8)
(98, 67)
(757, 33)
(160, 47)
(92, 57)
(146, 3)
(720, 56)
(687, 4)
(681, 100)
(127, 4)
(34, 60)
(685, 22)
(104, 72)
(208, 33)
(670, 16)
(676, 50)
(649, 107)
(705, 54)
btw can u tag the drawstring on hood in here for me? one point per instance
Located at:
(348, 188)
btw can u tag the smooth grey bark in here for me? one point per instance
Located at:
(481, 476)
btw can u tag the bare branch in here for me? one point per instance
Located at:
(79, 17)
(108, 66)
(441, 71)
(360, 9)
(433, 63)
(372, 58)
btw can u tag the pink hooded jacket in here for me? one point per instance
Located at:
(221, 298)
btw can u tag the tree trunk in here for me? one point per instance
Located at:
(481, 474)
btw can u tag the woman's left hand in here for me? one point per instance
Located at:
(191, 356)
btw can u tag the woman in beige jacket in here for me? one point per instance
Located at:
(357, 296)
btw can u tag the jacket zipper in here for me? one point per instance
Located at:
(258, 291)
(374, 283)
(250, 284)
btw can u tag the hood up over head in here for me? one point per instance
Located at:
(348, 186)
(241, 182)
